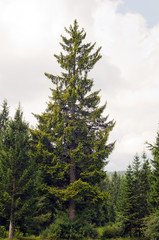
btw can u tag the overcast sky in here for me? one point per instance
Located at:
(127, 74)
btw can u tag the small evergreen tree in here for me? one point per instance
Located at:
(115, 190)
(136, 166)
(4, 119)
(70, 142)
(127, 207)
(16, 172)
(151, 228)
(135, 196)
(145, 186)
(4, 116)
(154, 192)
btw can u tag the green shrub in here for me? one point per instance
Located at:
(3, 232)
(66, 230)
(109, 232)
(32, 237)
(151, 228)
(112, 231)
(100, 230)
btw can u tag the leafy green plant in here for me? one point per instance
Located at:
(151, 228)
(3, 232)
(112, 231)
(63, 228)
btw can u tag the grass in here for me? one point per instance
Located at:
(127, 238)
(99, 229)
(38, 238)
(23, 238)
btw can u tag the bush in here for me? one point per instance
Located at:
(3, 232)
(109, 232)
(64, 229)
(112, 231)
(151, 228)
(32, 237)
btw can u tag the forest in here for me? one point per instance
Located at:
(53, 183)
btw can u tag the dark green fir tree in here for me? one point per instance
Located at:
(127, 201)
(154, 191)
(4, 116)
(4, 120)
(16, 175)
(138, 197)
(135, 195)
(145, 175)
(152, 221)
(115, 191)
(71, 139)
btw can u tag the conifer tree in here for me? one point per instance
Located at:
(135, 195)
(127, 207)
(154, 191)
(138, 196)
(70, 141)
(152, 221)
(16, 173)
(115, 190)
(4, 116)
(145, 186)
(4, 119)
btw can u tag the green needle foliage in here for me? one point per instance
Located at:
(70, 141)
(16, 175)
(128, 200)
(135, 193)
(4, 116)
(154, 191)
(115, 190)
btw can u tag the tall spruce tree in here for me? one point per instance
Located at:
(16, 174)
(70, 141)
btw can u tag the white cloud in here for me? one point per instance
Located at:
(133, 49)
(127, 41)
(134, 98)
(127, 74)
(31, 24)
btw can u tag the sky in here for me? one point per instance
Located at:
(127, 74)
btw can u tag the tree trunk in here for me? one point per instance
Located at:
(131, 230)
(11, 229)
(12, 224)
(72, 209)
(72, 205)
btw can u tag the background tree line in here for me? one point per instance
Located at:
(130, 208)
(52, 178)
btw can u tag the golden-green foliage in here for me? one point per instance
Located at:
(151, 229)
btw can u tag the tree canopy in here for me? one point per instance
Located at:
(71, 140)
